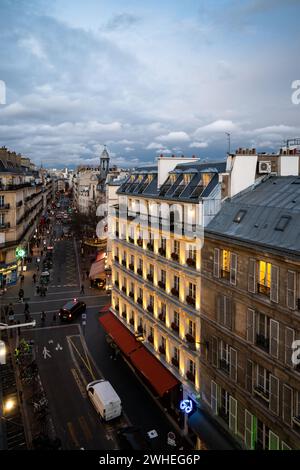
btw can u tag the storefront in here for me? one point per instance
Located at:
(8, 275)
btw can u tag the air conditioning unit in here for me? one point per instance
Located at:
(264, 167)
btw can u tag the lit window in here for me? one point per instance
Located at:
(226, 260)
(265, 273)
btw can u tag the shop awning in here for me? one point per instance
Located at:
(119, 333)
(156, 374)
(105, 308)
(97, 270)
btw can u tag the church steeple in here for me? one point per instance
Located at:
(104, 163)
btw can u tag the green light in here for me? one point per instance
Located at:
(20, 253)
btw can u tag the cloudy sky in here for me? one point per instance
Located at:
(147, 77)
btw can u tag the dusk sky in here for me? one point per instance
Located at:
(147, 77)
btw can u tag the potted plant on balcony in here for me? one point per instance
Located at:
(150, 308)
(150, 277)
(140, 329)
(150, 246)
(175, 362)
(190, 338)
(190, 300)
(162, 251)
(162, 317)
(175, 256)
(124, 314)
(190, 376)
(117, 307)
(131, 239)
(162, 349)
(131, 321)
(116, 258)
(140, 271)
(117, 283)
(174, 326)
(140, 241)
(175, 291)
(161, 284)
(131, 266)
(191, 262)
(123, 262)
(140, 301)
(131, 294)
(124, 289)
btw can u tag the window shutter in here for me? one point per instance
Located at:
(249, 376)
(291, 290)
(252, 275)
(289, 339)
(274, 394)
(233, 268)
(274, 338)
(216, 262)
(287, 404)
(248, 437)
(250, 325)
(228, 312)
(214, 351)
(233, 414)
(274, 283)
(214, 397)
(273, 441)
(221, 309)
(233, 364)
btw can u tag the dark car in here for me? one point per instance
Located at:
(71, 310)
(132, 438)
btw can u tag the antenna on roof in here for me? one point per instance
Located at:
(228, 139)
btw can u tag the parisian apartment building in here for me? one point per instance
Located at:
(182, 291)
(24, 193)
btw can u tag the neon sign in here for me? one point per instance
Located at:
(20, 252)
(186, 406)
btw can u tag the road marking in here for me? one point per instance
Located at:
(58, 347)
(79, 383)
(46, 353)
(77, 261)
(86, 363)
(85, 428)
(72, 433)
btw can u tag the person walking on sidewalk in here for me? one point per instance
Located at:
(21, 295)
(82, 289)
(34, 278)
(43, 318)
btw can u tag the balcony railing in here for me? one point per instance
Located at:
(190, 300)
(140, 271)
(150, 246)
(117, 283)
(175, 327)
(224, 366)
(175, 292)
(162, 317)
(191, 262)
(162, 285)
(162, 251)
(162, 350)
(4, 207)
(175, 256)
(264, 290)
(131, 294)
(124, 289)
(175, 362)
(190, 338)
(4, 226)
(131, 267)
(150, 308)
(131, 240)
(150, 277)
(262, 342)
(190, 376)
(225, 274)
(124, 262)
(140, 301)
(140, 242)
(124, 315)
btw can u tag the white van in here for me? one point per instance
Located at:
(105, 399)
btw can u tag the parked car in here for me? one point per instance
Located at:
(71, 310)
(105, 399)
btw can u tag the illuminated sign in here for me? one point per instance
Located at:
(20, 253)
(186, 406)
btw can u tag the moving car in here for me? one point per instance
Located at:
(71, 310)
(105, 399)
(132, 438)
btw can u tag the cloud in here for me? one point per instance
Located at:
(221, 125)
(199, 145)
(32, 44)
(176, 136)
(122, 21)
(153, 146)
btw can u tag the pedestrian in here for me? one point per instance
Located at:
(26, 307)
(34, 278)
(27, 316)
(43, 317)
(54, 317)
(82, 289)
(21, 295)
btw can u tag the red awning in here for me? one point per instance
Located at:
(105, 308)
(97, 270)
(119, 333)
(156, 374)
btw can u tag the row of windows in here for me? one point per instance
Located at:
(263, 277)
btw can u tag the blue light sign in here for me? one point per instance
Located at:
(186, 406)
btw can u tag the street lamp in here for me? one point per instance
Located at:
(9, 405)
(2, 353)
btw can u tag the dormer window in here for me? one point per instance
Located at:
(187, 179)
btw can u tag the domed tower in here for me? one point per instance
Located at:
(104, 163)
